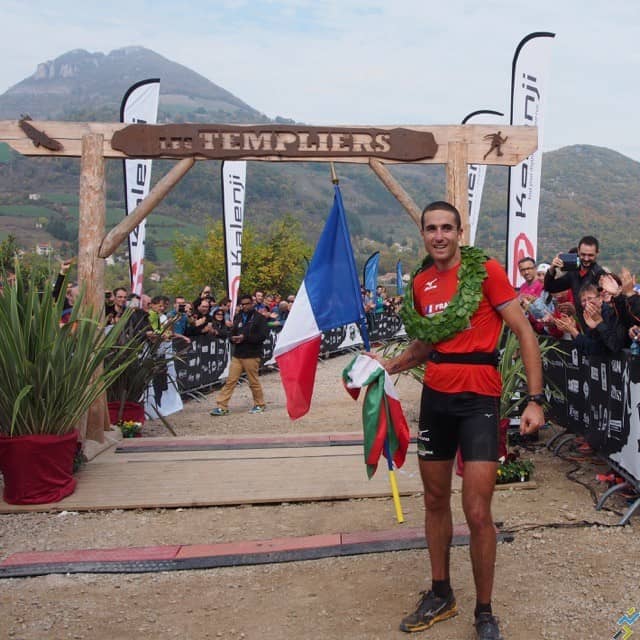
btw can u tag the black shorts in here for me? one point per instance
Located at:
(450, 419)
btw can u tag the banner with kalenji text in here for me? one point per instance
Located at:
(529, 84)
(139, 105)
(234, 177)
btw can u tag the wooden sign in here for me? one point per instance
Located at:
(228, 141)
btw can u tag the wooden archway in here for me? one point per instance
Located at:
(455, 146)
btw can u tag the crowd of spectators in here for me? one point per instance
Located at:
(577, 299)
(380, 302)
(202, 316)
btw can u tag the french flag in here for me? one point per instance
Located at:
(329, 297)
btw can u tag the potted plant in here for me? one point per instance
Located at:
(141, 376)
(130, 428)
(51, 374)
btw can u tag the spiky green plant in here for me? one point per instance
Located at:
(51, 374)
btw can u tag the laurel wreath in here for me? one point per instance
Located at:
(462, 306)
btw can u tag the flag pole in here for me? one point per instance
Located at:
(392, 474)
(364, 332)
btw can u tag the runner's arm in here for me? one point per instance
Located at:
(532, 417)
(415, 354)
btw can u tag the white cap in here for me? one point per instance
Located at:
(543, 267)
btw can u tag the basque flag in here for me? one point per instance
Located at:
(382, 416)
(329, 297)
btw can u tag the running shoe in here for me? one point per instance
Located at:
(430, 609)
(257, 409)
(219, 411)
(487, 627)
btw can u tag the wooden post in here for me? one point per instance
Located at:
(457, 184)
(91, 229)
(396, 189)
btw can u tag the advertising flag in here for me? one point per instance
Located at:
(139, 105)
(234, 180)
(399, 280)
(370, 272)
(329, 297)
(529, 82)
(477, 172)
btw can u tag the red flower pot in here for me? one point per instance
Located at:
(133, 411)
(37, 468)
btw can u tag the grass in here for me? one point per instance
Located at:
(27, 210)
(61, 198)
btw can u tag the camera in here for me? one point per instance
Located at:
(107, 295)
(570, 261)
(182, 308)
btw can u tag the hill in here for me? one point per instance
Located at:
(586, 189)
(79, 83)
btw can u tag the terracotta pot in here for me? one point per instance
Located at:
(38, 468)
(133, 411)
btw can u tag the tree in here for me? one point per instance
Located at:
(273, 261)
(8, 253)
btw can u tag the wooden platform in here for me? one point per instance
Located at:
(149, 473)
(198, 472)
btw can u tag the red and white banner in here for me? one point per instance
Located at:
(529, 82)
(139, 105)
(234, 178)
(476, 172)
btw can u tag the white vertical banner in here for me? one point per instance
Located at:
(139, 105)
(529, 82)
(476, 172)
(234, 177)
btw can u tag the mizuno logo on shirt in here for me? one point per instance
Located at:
(430, 284)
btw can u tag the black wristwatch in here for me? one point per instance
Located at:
(538, 398)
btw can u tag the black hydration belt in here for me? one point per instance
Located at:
(476, 357)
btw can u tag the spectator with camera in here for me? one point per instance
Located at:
(178, 315)
(574, 271)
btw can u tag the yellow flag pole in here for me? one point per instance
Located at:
(392, 474)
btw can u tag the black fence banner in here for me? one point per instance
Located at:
(601, 402)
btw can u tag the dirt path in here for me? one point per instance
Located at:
(564, 580)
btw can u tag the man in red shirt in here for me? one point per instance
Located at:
(460, 300)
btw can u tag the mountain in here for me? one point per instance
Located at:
(586, 189)
(79, 83)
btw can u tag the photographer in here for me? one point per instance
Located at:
(179, 312)
(574, 271)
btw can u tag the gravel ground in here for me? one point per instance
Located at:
(569, 573)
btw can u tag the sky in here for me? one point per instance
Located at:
(365, 62)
